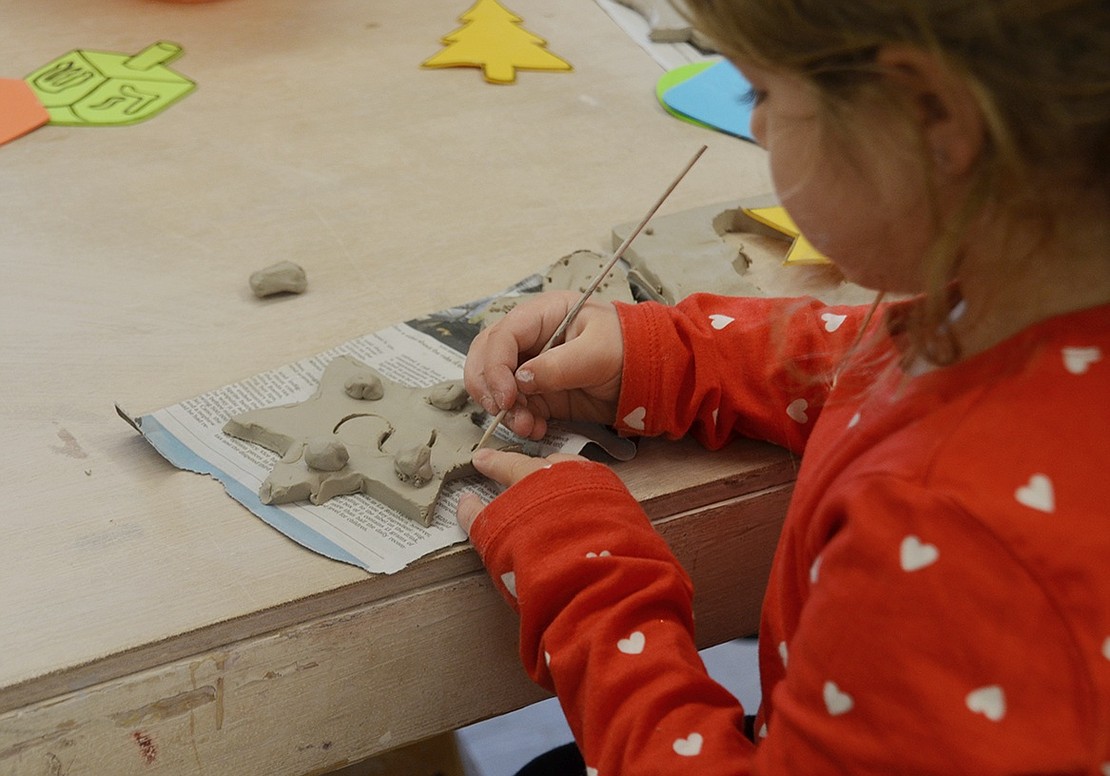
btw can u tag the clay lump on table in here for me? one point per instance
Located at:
(285, 277)
(361, 432)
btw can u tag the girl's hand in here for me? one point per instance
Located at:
(576, 380)
(506, 469)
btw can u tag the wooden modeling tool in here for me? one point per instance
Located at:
(573, 312)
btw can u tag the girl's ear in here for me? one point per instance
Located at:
(944, 103)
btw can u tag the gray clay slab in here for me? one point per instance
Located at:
(398, 447)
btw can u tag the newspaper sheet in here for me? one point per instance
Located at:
(355, 528)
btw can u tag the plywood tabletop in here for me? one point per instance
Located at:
(313, 136)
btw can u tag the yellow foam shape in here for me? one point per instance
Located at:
(493, 40)
(801, 250)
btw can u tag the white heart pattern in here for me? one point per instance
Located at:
(833, 321)
(797, 411)
(508, 579)
(1106, 769)
(763, 730)
(689, 746)
(635, 419)
(1037, 494)
(815, 570)
(591, 771)
(1106, 648)
(836, 700)
(854, 421)
(718, 321)
(989, 701)
(1079, 360)
(916, 555)
(602, 554)
(783, 653)
(633, 645)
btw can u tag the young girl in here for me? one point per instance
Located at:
(940, 597)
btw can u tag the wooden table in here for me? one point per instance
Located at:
(149, 623)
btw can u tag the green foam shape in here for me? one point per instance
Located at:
(107, 89)
(673, 78)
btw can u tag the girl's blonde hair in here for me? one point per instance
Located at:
(1039, 70)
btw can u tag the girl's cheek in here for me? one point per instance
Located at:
(759, 126)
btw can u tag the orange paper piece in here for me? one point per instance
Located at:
(20, 110)
(801, 250)
(493, 40)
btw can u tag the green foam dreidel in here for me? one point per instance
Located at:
(104, 88)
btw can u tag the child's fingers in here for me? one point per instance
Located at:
(581, 363)
(508, 468)
(497, 351)
(488, 372)
(526, 422)
(469, 507)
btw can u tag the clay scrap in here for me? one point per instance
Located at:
(573, 272)
(577, 270)
(668, 22)
(363, 433)
(685, 253)
(285, 277)
(723, 250)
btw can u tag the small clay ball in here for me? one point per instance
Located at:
(365, 385)
(325, 454)
(414, 466)
(283, 277)
(450, 396)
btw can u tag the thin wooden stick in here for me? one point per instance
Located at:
(573, 312)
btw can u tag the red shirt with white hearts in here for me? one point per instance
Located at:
(940, 596)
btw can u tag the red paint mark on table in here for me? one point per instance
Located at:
(146, 746)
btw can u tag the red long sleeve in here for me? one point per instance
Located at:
(940, 597)
(718, 369)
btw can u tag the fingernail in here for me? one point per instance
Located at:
(489, 405)
(481, 456)
(525, 375)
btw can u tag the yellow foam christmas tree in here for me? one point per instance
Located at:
(493, 40)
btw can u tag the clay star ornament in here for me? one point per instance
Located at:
(801, 251)
(361, 432)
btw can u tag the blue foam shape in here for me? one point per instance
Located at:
(716, 96)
